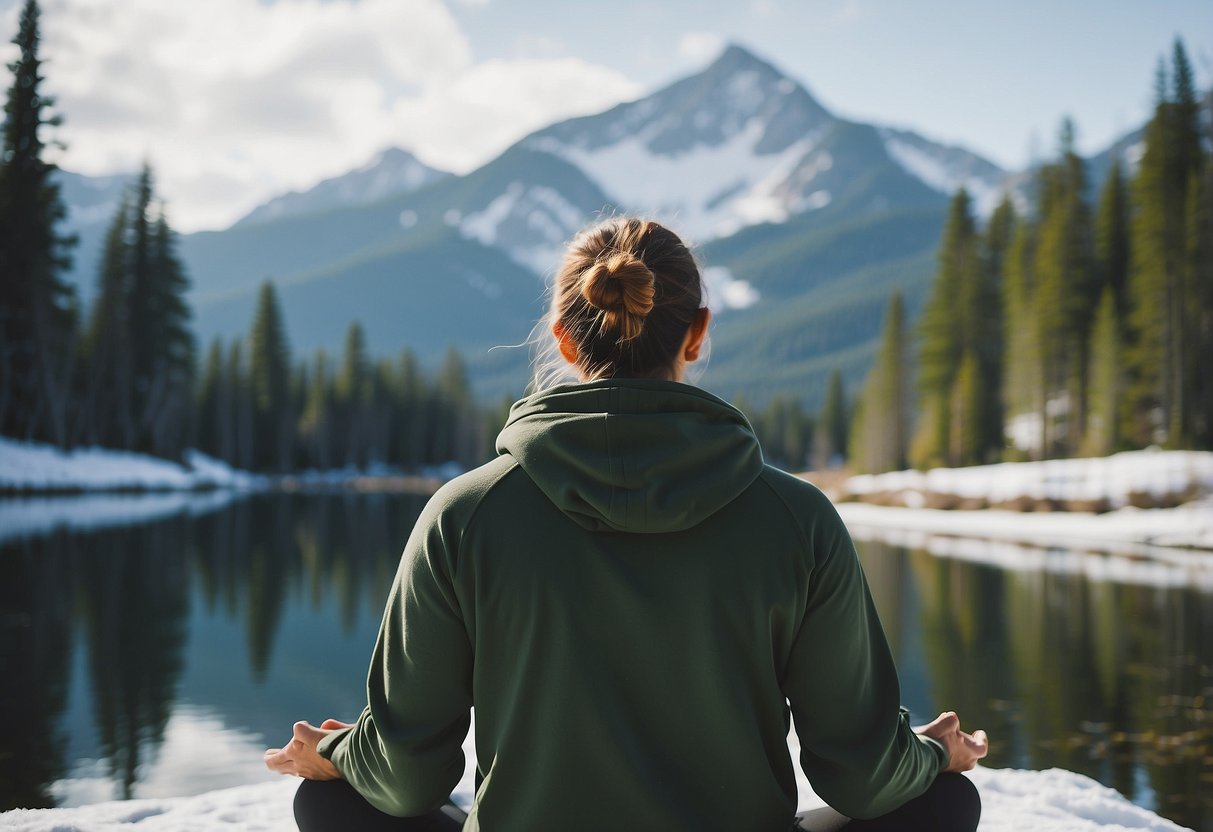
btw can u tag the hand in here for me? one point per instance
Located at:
(300, 757)
(964, 750)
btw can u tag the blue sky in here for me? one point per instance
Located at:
(237, 100)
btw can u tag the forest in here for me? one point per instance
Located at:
(1070, 326)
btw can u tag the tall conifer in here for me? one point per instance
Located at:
(269, 363)
(37, 308)
(878, 438)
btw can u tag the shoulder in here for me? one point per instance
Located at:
(807, 505)
(459, 498)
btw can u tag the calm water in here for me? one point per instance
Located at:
(160, 656)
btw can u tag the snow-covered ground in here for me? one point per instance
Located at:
(1117, 481)
(1044, 801)
(33, 466)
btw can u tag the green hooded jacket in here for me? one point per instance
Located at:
(631, 599)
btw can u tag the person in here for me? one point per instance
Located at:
(634, 603)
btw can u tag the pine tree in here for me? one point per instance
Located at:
(139, 390)
(167, 408)
(110, 376)
(1104, 377)
(269, 364)
(945, 328)
(240, 408)
(1199, 294)
(352, 391)
(1021, 390)
(879, 438)
(410, 427)
(1112, 239)
(1064, 273)
(37, 308)
(210, 416)
(316, 422)
(1162, 356)
(830, 436)
(455, 399)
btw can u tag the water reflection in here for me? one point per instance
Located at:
(150, 658)
(1108, 679)
(151, 611)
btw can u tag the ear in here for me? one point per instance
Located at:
(696, 334)
(568, 348)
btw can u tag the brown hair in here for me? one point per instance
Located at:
(627, 291)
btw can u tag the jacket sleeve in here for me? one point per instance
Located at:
(857, 748)
(405, 752)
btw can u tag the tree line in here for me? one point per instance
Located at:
(124, 373)
(1075, 326)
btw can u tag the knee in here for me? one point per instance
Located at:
(312, 805)
(961, 799)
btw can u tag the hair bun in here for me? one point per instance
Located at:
(622, 287)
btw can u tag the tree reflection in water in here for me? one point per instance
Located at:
(1108, 679)
(126, 593)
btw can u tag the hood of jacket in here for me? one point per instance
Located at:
(635, 455)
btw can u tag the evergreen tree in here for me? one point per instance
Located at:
(463, 440)
(167, 406)
(316, 422)
(1064, 274)
(269, 364)
(110, 375)
(37, 308)
(1163, 357)
(139, 391)
(239, 405)
(352, 393)
(946, 327)
(210, 415)
(410, 426)
(1112, 239)
(879, 438)
(1104, 377)
(830, 435)
(1022, 393)
(1199, 294)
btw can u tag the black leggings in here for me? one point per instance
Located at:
(950, 805)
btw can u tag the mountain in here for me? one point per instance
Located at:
(804, 223)
(391, 172)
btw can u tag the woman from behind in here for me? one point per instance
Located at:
(631, 599)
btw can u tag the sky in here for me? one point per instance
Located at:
(235, 101)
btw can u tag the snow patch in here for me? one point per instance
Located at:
(707, 191)
(726, 291)
(938, 174)
(483, 225)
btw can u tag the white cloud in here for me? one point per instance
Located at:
(700, 47)
(234, 101)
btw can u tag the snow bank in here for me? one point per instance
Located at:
(1044, 801)
(33, 466)
(1116, 481)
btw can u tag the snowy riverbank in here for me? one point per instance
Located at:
(33, 467)
(1044, 801)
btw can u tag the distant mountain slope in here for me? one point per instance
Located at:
(391, 172)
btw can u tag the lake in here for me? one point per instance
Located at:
(154, 646)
